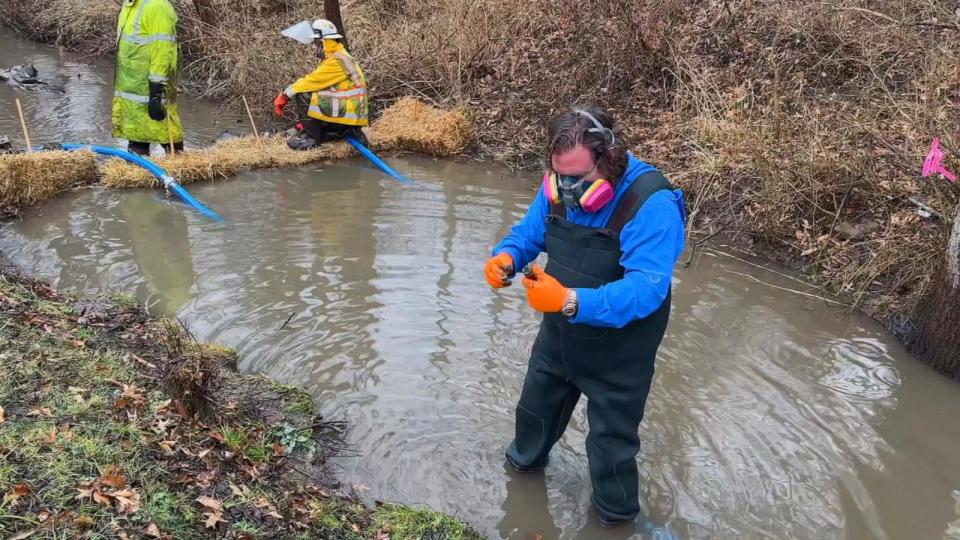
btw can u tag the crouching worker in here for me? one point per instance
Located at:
(612, 227)
(337, 90)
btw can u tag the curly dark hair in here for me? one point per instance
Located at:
(570, 129)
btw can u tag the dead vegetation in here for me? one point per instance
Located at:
(26, 179)
(222, 160)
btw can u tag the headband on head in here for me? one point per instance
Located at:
(604, 131)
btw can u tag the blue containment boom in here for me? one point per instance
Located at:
(377, 161)
(168, 181)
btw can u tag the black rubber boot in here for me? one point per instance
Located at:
(302, 141)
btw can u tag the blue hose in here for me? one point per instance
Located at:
(168, 181)
(377, 161)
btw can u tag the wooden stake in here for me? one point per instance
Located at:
(170, 135)
(331, 12)
(250, 116)
(23, 124)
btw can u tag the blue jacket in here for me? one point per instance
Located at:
(650, 245)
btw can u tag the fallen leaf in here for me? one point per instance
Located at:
(206, 477)
(84, 493)
(236, 491)
(51, 438)
(15, 494)
(203, 453)
(215, 435)
(84, 521)
(210, 503)
(112, 479)
(383, 536)
(43, 515)
(24, 534)
(212, 519)
(251, 471)
(2, 417)
(278, 449)
(153, 531)
(100, 498)
(355, 528)
(128, 501)
(184, 478)
(167, 446)
(42, 411)
(537, 536)
(264, 504)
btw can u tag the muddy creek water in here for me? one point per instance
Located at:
(771, 415)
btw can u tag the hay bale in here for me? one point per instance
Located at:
(223, 160)
(413, 126)
(27, 179)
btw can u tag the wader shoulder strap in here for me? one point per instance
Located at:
(557, 211)
(638, 193)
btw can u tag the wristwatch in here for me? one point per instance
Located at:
(570, 306)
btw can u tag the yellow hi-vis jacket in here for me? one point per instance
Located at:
(338, 88)
(146, 52)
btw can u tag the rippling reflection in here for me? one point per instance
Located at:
(771, 414)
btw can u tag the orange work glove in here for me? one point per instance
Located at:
(544, 293)
(279, 103)
(498, 270)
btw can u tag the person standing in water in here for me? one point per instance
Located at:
(337, 89)
(145, 93)
(613, 228)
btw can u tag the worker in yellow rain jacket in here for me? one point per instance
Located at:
(337, 89)
(144, 99)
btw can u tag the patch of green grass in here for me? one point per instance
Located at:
(258, 453)
(171, 512)
(334, 520)
(124, 299)
(405, 523)
(234, 439)
(296, 399)
(245, 527)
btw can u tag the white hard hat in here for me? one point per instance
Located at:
(322, 28)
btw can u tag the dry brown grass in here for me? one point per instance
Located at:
(223, 160)
(813, 123)
(412, 126)
(27, 179)
(83, 25)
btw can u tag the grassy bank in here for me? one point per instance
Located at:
(797, 128)
(113, 424)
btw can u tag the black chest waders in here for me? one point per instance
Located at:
(612, 367)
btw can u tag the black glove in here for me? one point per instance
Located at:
(155, 107)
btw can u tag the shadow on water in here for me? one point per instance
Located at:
(771, 415)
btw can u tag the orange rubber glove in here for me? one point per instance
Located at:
(544, 293)
(498, 270)
(279, 103)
